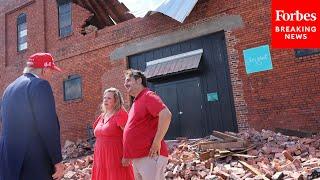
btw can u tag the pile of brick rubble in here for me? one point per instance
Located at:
(252, 155)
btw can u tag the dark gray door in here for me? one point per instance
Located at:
(163, 90)
(184, 100)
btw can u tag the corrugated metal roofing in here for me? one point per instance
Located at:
(176, 9)
(173, 64)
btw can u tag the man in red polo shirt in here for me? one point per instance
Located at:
(148, 122)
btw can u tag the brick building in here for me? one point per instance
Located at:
(95, 42)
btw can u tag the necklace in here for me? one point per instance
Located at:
(107, 115)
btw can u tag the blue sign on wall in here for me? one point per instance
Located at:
(257, 59)
(213, 96)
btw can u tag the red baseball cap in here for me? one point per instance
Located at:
(42, 60)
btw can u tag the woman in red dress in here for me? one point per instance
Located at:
(108, 129)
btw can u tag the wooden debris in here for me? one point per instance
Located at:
(245, 155)
(221, 145)
(226, 137)
(254, 170)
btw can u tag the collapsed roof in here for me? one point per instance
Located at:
(105, 12)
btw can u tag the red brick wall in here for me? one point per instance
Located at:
(287, 96)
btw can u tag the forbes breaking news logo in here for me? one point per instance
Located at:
(281, 15)
(295, 26)
(295, 32)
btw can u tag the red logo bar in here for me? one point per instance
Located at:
(295, 24)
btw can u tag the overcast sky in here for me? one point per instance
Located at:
(140, 7)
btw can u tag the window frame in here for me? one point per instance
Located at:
(22, 20)
(306, 52)
(72, 78)
(68, 27)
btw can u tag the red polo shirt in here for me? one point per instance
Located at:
(142, 125)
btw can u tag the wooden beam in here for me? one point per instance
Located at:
(123, 11)
(101, 12)
(226, 137)
(254, 170)
(206, 155)
(100, 20)
(105, 6)
(243, 155)
(221, 145)
(119, 7)
(112, 11)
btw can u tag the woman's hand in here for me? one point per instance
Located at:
(125, 162)
(155, 149)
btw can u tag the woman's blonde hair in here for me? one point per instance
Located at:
(117, 96)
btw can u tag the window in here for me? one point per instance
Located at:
(306, 52)
(72, 88)
(64, 9)
(22, 32)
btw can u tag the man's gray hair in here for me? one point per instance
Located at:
(32, 70)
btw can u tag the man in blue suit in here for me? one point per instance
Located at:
(30, 141)
(0, 120)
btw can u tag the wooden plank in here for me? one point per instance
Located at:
(206, 155)
(102, 12)
(220, 145)
(243, 155)
(101, 22)
(218, 156)
(247, 149)
(253, 169)
(214, 138)
(226, 137)
(211, 168)
(223, 151)
(107, 8)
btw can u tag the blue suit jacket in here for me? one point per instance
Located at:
(30, 140)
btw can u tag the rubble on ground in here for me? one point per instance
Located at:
(78, 169)
(78, 158)
(265, 155)
(246, 155)
(76, 149)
